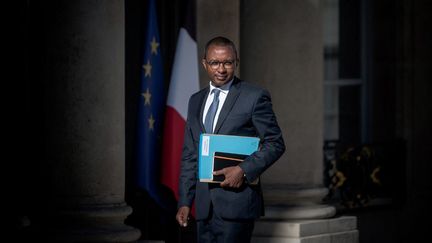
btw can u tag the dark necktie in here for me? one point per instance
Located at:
(211, 113)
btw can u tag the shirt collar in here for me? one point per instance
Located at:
(224, 88)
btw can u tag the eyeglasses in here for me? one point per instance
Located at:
(226, 64)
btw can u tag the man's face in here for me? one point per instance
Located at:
(220, 64)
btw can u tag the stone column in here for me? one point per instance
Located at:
(282, 50)
(284, 53)
(84, 121)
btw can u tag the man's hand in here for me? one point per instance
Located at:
(233, 176)
(183, 216)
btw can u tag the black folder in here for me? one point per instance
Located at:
(222, 160)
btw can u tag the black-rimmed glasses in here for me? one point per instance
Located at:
(226, 64)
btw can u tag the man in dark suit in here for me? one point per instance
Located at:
(226, 212)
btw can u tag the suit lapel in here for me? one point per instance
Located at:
(201, 108)
(229, 103)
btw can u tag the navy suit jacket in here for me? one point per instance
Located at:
(247, 111)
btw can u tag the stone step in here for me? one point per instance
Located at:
(304, 228)
(340, 237)
(150, 241)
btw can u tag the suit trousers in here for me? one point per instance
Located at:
(215, 229)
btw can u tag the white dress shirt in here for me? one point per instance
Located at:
(224, 90)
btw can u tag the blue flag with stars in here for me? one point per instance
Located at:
(150, 109)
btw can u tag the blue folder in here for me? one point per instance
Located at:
(211, 143)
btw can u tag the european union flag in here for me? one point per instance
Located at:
(151, 109)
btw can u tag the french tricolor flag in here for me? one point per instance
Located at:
(184, 82)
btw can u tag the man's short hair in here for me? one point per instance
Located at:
(220, 41)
